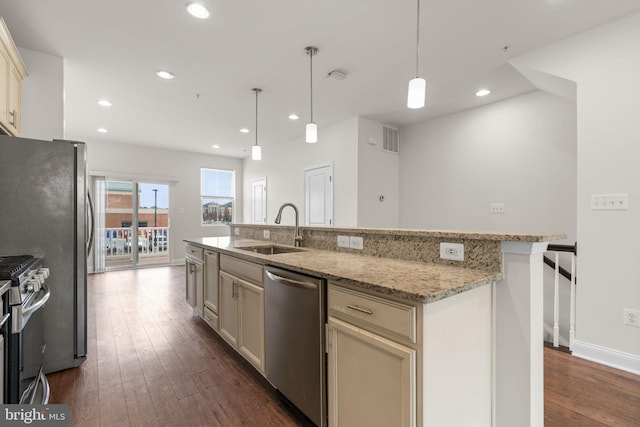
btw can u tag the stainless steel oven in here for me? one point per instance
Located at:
(5, 332)
(28, 293)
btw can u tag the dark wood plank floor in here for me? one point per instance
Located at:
(153, 363)
(579, 393)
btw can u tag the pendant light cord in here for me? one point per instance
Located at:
(256, 91)
(417, 38)
(311, 80)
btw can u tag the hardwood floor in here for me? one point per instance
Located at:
(153, 363)
(585, 394)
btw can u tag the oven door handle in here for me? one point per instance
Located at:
(39, 303)
(4, 319)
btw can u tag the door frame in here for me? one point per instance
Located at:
(327, 197)
(264, 198)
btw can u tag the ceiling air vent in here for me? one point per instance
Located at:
(390, 140)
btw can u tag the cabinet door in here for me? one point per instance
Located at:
(211, 272)
(4, 88)
(372, 380)
(251, 323)
(198, 278)
(190, 291)
(15, 107)
(228, 308)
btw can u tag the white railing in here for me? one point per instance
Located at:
(150, 241)
(562, 276)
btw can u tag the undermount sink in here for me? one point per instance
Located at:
(271, 249)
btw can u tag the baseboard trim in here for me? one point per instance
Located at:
(606, 356)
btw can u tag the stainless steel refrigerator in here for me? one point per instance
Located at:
(44, 210)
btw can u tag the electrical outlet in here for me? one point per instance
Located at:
(343, 241)
(631, 317)
(452, 251)
(236, 231)
(356, 242)
(497, 208)
(266, 234)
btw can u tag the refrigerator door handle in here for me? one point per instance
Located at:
(31, 392)
(91, 218)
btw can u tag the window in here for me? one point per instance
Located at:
(216, 196)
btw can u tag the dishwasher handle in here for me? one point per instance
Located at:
(291, 282)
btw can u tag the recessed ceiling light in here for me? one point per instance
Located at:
(215, 146)
(165, 75)
(483, 92)
(197, 10)
(244, 130)
(293, 117)
(102, 130)
(104, 103)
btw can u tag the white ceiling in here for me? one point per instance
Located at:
(112, 49)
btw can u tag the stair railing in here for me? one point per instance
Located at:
(571, 276)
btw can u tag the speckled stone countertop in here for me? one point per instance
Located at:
(409, 280)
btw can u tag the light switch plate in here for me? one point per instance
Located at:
(236, 231)
(497, 208)
(356, 242)
(266, 234)
(610, 202)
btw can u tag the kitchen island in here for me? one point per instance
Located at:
(435, 341)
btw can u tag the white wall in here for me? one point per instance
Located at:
(605, 64)
(378, 174)
(161, 166)
(520, 152)
(42, 96)
(283, 165)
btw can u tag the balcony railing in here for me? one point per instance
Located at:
(151, 241)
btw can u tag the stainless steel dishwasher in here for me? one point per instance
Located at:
(295, 313)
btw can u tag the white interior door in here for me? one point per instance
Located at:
(259, 201)
(318, 196)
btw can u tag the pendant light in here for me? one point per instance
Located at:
(311, 134)
(417, 85)
(256, 150)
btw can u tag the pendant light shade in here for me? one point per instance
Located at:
(417, 85)
(311, 134)
(417, 90)
(256, 150)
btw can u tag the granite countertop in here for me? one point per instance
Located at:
(409, 280)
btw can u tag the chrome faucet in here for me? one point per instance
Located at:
(298, 237)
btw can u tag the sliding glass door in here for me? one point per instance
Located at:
(135, 223)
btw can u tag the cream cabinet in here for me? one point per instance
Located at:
(371, 377)
(194, 280)
(403, 363)
(228, 308)
(241, 308)
(12, 72)
(210, 312)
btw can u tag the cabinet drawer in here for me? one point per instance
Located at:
(390, 317)
(240, 268)
(211, 318)
(194, 251)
